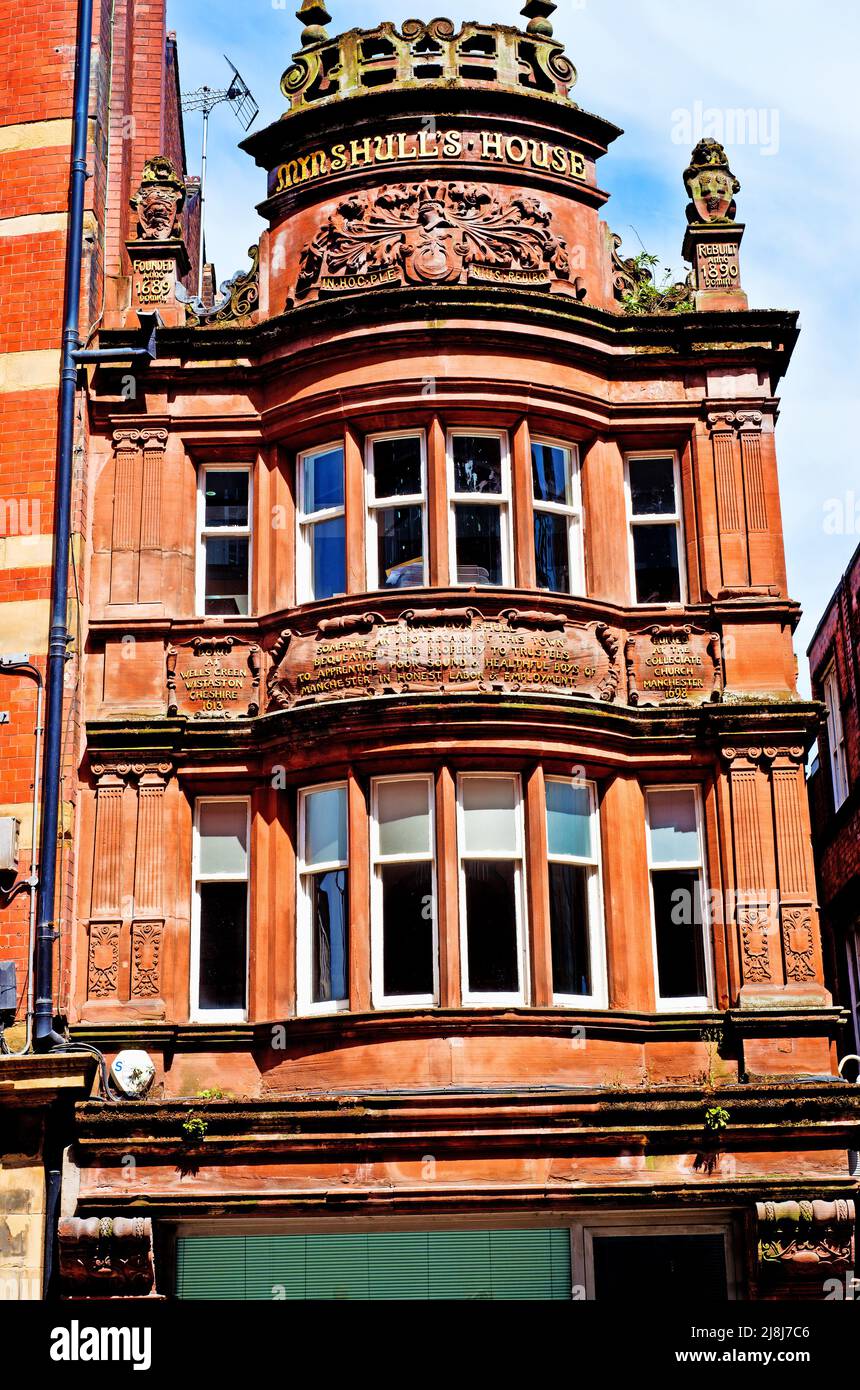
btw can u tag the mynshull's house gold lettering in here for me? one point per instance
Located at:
(517, 151)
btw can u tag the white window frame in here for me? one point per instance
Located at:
(470, 996)
(688, 1003)
(599, 998)
(305, 1005)
(571, 510)
(720, 1221)
(306, 521)
(675, 518)
(380, 999)
(502, 500)
(835, 736)
(220, 533)
(196, 1014)
(376, 505)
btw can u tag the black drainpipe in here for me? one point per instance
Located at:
(44, 1037)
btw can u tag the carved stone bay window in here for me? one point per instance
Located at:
(418, 889)
(432, 503)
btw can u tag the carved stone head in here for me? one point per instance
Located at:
(710, 184)
(159, 200)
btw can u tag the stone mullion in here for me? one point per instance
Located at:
(355, 509)
(522, 521)
(537, 880)
(437, 505)
(358, 832)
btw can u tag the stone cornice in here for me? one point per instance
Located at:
(655, 1119)
(244, 745)
(376, 1026)
(766, 335)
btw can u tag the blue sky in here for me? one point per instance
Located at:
(656, 68)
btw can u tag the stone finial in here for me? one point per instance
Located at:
(159, 200)
(710, 184)
(314, 16)
(537, 12)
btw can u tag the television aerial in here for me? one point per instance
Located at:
(205, 99)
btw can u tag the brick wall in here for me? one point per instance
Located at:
(134, 110)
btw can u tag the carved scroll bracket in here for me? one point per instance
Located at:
(800, 1238)
(106, 1257)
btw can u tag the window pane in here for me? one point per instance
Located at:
(223, 827)
(227, 574)
(400, 547)
(329, 936)
(568, 819)
(223, 912)
(325, 826)
(404, 817)
(674, 827)
(568, 907)
(328, 539)
(552, 475)
(680, 937)
(655, 558)
(489, 815)
(322, 481)
(407, 926)
(552, 551)
(491, 926)
(479, 545)
(397, 467)
(652, 486)
(477, 464)
(226, 497)
(668, 1266)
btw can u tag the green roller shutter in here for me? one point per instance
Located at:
(532, 1264)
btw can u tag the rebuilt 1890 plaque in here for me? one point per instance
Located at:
(444, 651)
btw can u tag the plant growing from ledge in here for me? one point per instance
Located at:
(641, 294)
(194, 1128)
(716, 1119)
(214, 1094)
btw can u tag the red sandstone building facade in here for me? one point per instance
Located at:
(441, 830)
(833, 660)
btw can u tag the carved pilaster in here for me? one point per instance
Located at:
(801, 943)
(125, 952)
(754, 895)
(147, 929)
(153, 442)
(125, 536)
(729, 490)
(759, 539)
(106, 898)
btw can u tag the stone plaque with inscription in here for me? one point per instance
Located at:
(444, 652)
(215, 677)
(673, 663)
